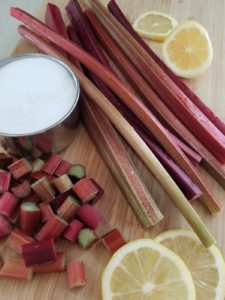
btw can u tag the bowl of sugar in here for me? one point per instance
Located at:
(39, 103)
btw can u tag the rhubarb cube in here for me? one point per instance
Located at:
(20, 168)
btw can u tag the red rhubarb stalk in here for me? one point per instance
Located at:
(5, 226)
(75, 274)
(22, 190)
(52, 229)
(145, 91)
(16, 239)
(8, 204)
(89, 216)
(63, 168)
(190, 190)
(52, 164)
(91, 45)
(172, 96)
(14, 268)
(128, 133)
(5, 180)
(113, 240)
(69, 208)
(56, 266)
(118, 161)
(46, 212)
(36, 253)
(59, 199)
(85, 189)
(20, 168)
(126, 95)
(30, 216)
(44, 190)
(71, 233)
(118, 14)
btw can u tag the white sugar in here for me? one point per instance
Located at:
(35, 93)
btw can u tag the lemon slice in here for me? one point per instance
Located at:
(144, 269)
(154, 25)
(188, 50)
(206, 265)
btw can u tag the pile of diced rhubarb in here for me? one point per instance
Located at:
(41, 202)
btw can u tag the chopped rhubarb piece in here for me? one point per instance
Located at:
(14, 268)
(32, 198)
(113, 240)
(37, 165)
(46, 212)
(25, 142)
(63, 183)
(85, 190)
(89, 216)
(59, 199)
(5, 226)
(30, 216)
(22, 190)
(75, 274)
(73, 230)
(56, 266)
(52, 229)
(77, 171)
(99, 194)
(16, 239)
(63, 168)
(86, 238)
(37, 252)
(5, 180)
(44, 190)
(52, 164)
(69, 208)
(20, 168)
(8, 204)
(40, 174)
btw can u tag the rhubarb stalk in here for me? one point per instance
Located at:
(75, 274)
(126, 130)
(14, 268)
(30, 216)
(118, 14)
(16, 239)
(172, 96)
(126, 95)
(56, 266)
(91, 45)
(36, 253)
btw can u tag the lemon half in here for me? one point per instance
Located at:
(205, 264)
(188, 50)
(154, 25)
(145, 270)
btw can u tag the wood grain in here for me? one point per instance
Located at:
(113, 205)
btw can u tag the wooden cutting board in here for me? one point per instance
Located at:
(113, 206)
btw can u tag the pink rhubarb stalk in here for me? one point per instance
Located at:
(8, 204)
(14, 268)
(16, 239)
(71, 233)
(75, 274)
